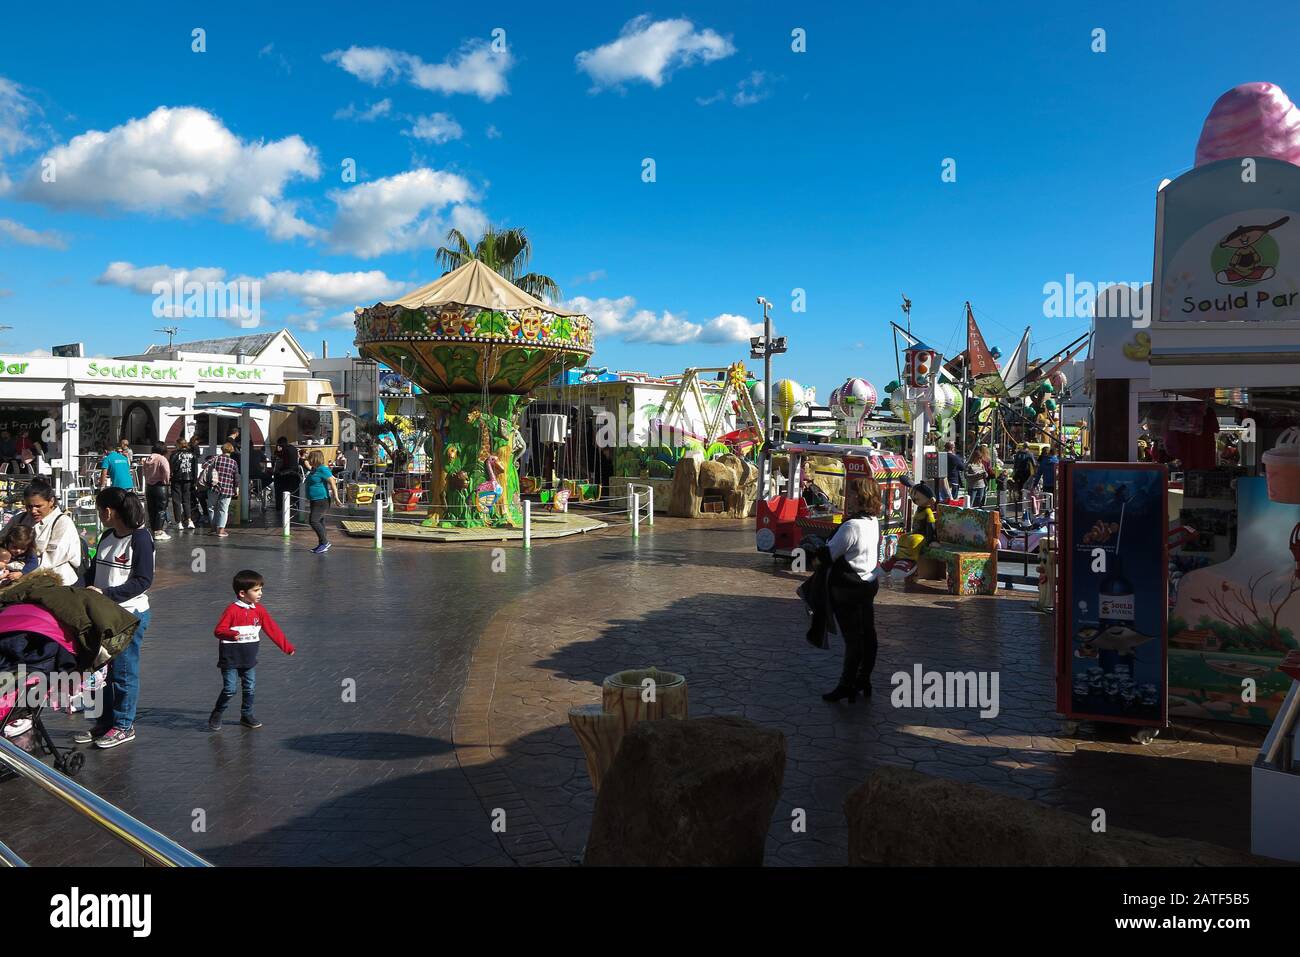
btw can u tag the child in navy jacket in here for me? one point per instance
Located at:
(239, 633)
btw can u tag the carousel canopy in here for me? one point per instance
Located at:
(474, 284)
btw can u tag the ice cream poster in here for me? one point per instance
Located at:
(1228, 242)
(1111, 650)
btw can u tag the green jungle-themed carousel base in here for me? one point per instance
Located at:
(471, 449)
(545, 525)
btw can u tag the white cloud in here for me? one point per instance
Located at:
(730, 328)
(371, 65)
(493, 133)
(651, 50)
(179, 161)
(475, 68)
(314, 288)
(752, 89)
(141, 279)
(369, 114)
(312, 321)
(281, 59)
(6, 293)
(398, 212)
(16, 113)
(436, 127)
(31, 237)
(592, 276)
(620, 318)
(319, 289)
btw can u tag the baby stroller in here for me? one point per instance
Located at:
(36, 671)
(51, 637)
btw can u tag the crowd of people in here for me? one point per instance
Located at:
(971, 477)
(192, 491)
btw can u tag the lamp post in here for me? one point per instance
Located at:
(764, 348)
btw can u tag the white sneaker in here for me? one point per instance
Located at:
(162, 537)
(190, 526)
(15, 728)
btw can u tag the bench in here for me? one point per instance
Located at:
(964, 552)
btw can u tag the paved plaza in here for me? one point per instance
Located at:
(464, 675)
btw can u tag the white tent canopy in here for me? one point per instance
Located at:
(474, 284)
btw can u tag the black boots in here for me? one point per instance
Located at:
(842, 691)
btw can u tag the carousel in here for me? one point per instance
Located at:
(476, 345)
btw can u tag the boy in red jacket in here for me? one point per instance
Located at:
(240, 632)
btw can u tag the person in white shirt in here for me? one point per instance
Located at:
(57, 540)
(855, 550)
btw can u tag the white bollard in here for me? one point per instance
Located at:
(636, 514)
(286, 503)
(650, 506)
(379, 523)
(528, 524)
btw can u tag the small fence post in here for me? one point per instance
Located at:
(650, 506)
(528, 524)
(636, 515)
(286, 504)
(379, 523)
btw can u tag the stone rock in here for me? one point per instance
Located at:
(694, 792)
(684, 500)
(903, 817)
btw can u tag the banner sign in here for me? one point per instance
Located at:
(1112, 601)
(1228, 244)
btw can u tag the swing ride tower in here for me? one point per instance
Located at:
(476, 345)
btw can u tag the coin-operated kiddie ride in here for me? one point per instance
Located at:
(476, 345)
(804, 507)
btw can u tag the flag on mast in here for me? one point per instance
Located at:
(985, 379)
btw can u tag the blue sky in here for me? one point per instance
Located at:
(775, 170)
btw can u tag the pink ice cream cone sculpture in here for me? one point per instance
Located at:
(1253, 119)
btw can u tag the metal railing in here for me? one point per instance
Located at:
(154, 848)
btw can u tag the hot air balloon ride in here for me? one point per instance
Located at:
(787, 401)
(855, 399)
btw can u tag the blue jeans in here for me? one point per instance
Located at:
(124, 680)
(220, 509)
(247, 678)
(977, 497)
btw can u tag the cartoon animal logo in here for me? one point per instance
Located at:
(1247, 255)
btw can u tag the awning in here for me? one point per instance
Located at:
(16, 390)
(131, 390)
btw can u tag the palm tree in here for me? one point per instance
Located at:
(506, 252)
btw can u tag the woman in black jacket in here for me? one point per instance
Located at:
(854, 550)
(182, 484)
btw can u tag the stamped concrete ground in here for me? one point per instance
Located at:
(464, 675)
